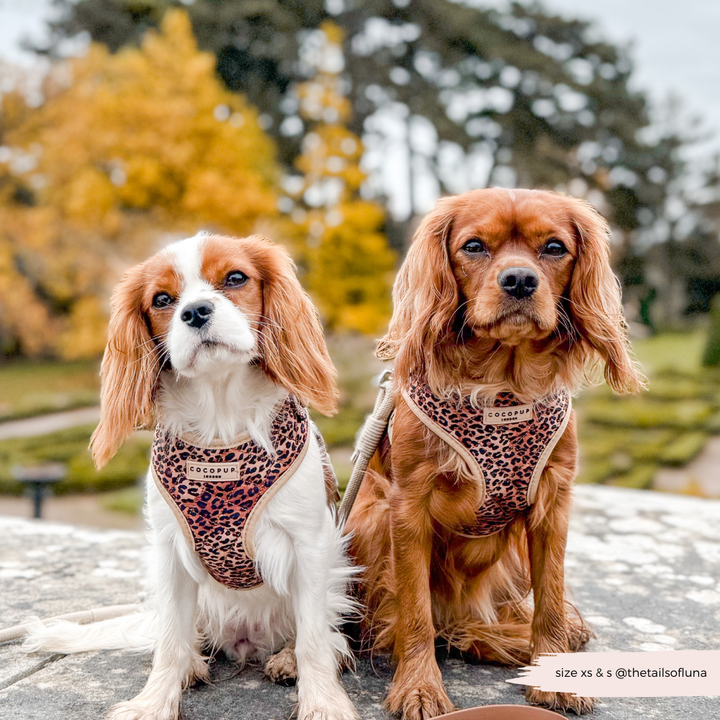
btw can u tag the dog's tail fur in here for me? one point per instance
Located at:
(136, 632)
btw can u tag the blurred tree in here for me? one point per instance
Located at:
(516, 95)
(25, 320)
(673, 267)
(125, 151)
(473, 96)
(711, 357)
(256, 43)
(349, 266)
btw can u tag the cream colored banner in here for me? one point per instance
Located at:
(627, 674)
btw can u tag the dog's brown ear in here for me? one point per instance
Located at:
(425, 297)
(129, 370)
(595, 301)
(294, 353)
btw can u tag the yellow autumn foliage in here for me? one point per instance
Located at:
(349, 266)
(126, 151)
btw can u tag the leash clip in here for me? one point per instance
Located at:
(385, 379)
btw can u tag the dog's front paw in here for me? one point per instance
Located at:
(579, 636)
(199, 673)
(564, 702)
(419, 700)
(281, 667)
(339, 707)
(154, 704)
(132, 710)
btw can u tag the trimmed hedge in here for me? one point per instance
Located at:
(668, 425)
(711, 356)
(650, 413)
(640, 477)
(71, 448)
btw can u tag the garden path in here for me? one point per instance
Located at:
(43, 424)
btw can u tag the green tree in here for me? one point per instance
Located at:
(673, 267)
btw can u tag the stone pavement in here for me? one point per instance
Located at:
(644, 568)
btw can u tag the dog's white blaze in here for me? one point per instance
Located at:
(187, 259)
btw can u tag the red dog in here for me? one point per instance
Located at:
(504, 304)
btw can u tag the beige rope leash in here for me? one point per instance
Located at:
(82, 618)
(367, 443)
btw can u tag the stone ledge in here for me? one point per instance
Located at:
(643, 567)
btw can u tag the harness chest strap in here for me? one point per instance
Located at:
(505, 448)
(218, 493)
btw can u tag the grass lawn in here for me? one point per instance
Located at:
(671, 351)
(128, 500)
(34, 388)
(623, 440)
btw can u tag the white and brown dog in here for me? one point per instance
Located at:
(214, 342)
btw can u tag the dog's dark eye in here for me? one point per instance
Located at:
(162, 300)
(474, 247)
(554, 248)
(236, 279)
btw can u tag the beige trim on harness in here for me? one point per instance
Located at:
(473, 468)
(182, 520)
(391, 426)
(248, 534)
(216, 444)
(545, 456)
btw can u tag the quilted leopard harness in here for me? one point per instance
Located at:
(504, 447)
(218, 493)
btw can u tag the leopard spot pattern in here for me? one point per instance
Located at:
(216, 511)
(507, 455)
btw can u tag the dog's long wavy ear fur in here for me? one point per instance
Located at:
(294, 353)
(129, 370)
(426, 299)
(595, 300)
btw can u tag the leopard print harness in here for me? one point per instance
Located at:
(505, 447)
(218, 493)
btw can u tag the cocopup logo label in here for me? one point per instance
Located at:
(507, 415)
(213, 471)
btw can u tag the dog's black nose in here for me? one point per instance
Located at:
(197, 314)
(520, 282)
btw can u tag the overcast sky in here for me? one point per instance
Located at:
(676, 45)
(20, 18)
